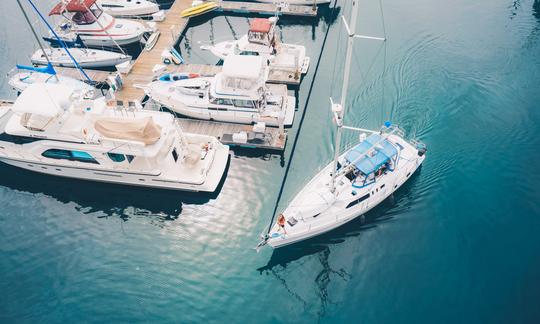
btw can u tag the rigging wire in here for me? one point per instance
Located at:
(297, 135)
(383, 109)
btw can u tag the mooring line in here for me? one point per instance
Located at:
(287, 168)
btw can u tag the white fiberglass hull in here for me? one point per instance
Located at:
(128, 8)
(86, 58)
(336, 213)
(20, 81)
(84, 172)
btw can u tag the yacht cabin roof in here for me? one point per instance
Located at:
(243, 66)
(72, 6)
(381, 152)
(44, 99)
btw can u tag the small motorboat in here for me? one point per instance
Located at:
(261, 40)
(84, 18)
(128, 8)
(199, 9)
(86, 58)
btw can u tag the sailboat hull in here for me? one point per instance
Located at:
(85, 58)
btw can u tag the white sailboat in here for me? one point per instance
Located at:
(55, 130)
(95, 27)
(238, 94)
(19, 80)
(356, 181)
(86, 58)
(128, 8)
(261, 40)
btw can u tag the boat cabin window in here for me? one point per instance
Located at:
(69, 155)
(249, 53)
(357, 201)
(243, 103)
(259, 38)
(222, 101)
(175, 154)
(87, 17)
(129, 157)
(115, 157)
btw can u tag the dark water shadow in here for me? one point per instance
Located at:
(110, 199)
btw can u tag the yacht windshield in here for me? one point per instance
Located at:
(88, 17)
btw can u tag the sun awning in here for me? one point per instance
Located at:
(140, 130)
(72, 6)
(43, 99)
(260, 25)
(382, 152)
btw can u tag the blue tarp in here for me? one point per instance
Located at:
(49, 69)
(368, 163)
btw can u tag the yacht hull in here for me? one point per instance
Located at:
(339, 216)
(127, 178)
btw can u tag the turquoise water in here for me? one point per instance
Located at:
(458, 243)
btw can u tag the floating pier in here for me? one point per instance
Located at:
(266, 8)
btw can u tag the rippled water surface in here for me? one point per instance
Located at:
(458, 243)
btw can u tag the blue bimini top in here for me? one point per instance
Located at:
(368, 163)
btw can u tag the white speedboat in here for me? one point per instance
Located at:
(238, 94)
(356, 181)
(128, 8)
(95, 27)
(296, 2)
(20, 79)
(261, 40)
(54, 130)
(86, 58)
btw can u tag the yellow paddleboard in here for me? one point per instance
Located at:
(199, 9)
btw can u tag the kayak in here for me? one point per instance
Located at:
(199, 9)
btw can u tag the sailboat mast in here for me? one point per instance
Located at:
(344, 90)
(35, 34)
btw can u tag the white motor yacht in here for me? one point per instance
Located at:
(128, 8)
(55, 130)
(95, 27)
(261, 40)
(238, 94)
(86, 58)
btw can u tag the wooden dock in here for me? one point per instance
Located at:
(270, 139)
(266, 8)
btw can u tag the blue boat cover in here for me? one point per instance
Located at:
(368, 163)
(49, 69)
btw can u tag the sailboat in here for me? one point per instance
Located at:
(261, 40)
(96, 28)
(356, 180)
(87, 58)
(56, 130)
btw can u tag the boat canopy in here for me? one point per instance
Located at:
(260, 25)
(72, 6)
(43, 99)
(139, 130)
(382, 152)
(243, 67)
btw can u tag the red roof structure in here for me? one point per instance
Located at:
(260, 25)
(72, 6)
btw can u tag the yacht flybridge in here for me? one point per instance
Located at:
(237, 94)
(261, 40)
(55, 130)
(95, 27)
(356, 181)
